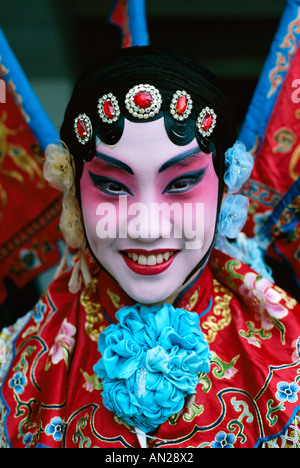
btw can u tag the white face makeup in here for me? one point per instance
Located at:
(149, 209)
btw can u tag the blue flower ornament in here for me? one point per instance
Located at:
(150, 362)
(239, 164)
(233, 215)
(234, 209)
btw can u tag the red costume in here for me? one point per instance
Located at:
(52, 396)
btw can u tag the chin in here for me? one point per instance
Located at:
(148, 295)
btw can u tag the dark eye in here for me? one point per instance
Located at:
(185, 182)
(109, 186)
(181, 185)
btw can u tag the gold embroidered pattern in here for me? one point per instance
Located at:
(193, 300)
(115, 299)
(92, 309)
(221, 310)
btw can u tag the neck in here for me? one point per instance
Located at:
(173, 297)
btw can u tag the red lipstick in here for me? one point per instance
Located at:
(148, 269)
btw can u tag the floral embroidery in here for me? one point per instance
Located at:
(38, 311)
(64, 343)
(224, 440)
(252, 331)
(221, 317)
(28, 439)
(223, 370)
(193, 411)
(94, 317)
(91, 382)
(55, 429)
(287, 392)
(18, 383)
(193, 300)
(265, 300)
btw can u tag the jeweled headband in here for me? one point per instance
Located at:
(143, 102)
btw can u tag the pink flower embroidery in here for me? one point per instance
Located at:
(88, 386)
(261, 295)
(64, 343)
(230, 373)
(253, 341)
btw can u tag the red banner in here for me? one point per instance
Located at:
(29, 208)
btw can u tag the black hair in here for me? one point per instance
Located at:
(166, 71)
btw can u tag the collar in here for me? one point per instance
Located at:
(195, 296)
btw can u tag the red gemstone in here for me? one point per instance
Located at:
(207, 121)
(108, 108)
(181, 105)
(143, 99)
(81, 127)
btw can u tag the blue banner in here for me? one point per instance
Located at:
(272, 76)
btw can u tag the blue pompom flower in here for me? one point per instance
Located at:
(150, 362)
(233, 215)
(239, 164)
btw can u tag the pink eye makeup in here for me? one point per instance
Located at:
(109, 186)
(180, 184)
(185, 182)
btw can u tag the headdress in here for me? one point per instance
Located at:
(142, 84)
(143, 102)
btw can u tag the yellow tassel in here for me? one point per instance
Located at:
(87, 277)
(76, 279)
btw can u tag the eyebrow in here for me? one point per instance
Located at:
(180, 159)
(114, 162)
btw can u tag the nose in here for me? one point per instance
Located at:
(149, 221)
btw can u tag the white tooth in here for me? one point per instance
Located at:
(135, 257)
(151, 260)
(166, 255)
(159, 258)
(129, 255)
(142, 260)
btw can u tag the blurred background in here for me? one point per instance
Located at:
(55, 41)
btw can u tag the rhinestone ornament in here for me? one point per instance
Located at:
(181, 105)
(83, 128)
(108, 108)
(206, 121)
(143, 101)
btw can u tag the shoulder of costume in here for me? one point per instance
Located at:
(243, 280)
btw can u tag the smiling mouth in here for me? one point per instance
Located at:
(149, 262)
